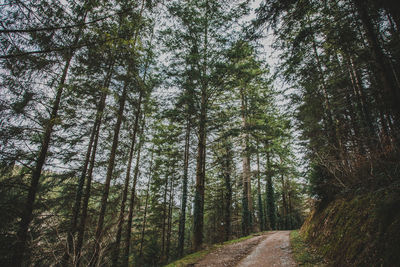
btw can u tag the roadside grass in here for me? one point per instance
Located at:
(303, 254)
(196, 256)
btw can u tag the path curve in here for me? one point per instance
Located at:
(230, 255)
(268, 250)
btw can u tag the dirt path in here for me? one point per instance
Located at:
(271, 249)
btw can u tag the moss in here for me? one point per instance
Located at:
(358, 231)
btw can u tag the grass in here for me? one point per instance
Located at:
(303, 253)
(192, 258)
(195, 257)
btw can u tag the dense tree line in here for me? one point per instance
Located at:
(342, 60)
(137, 131)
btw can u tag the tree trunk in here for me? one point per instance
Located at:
(164, 216)
(110, 169)
(20, 247)
(392, 6)
(131, 204)
(86, 196)
(200, 175)
(182, 219)
(228, 194)
(145, 207)
(85, 202)
(357, 142)
(332, 133)
(125, 260)
(385, 114)
(284, 203)
(115, 256)
(270, 193)
(91, 146)
(392, 92)
(169, 222)
(198, 216)
(362, 100)
(266, 219)
(246, 175)
(289, 205)
(78, 198)
(260, 204)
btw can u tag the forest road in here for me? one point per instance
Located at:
(274, 250)
(271, 249)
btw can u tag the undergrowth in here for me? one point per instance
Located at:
(304, 254)
(361, 230)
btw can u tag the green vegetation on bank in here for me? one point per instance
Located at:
(363, 230)
(303, 253)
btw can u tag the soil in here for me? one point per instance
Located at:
(271, 249)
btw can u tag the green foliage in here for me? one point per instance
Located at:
(341, 82)
(184, 70)
(357, 230)
(302, 253)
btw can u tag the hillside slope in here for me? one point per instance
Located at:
(362, 230)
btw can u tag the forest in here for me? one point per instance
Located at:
(134, 133)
